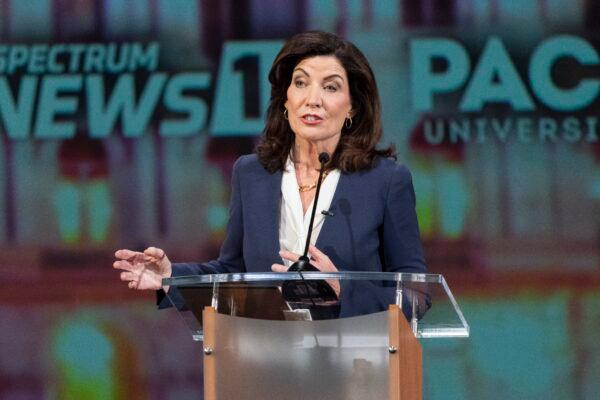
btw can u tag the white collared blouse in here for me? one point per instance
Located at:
(293, 223)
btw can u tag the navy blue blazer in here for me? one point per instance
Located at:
(373, 227)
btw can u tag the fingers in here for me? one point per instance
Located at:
(131, 278)
(128, 276)
(317, 254)
(318, 259)
(288, 255)
(142, 270)
(125, 254)
(154, 254)
(124, 265)
(321, 260)
(278, 268)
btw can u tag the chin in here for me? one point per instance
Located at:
(315, 136)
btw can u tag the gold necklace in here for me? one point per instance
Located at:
(306, 188)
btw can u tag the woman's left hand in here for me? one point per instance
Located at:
(317, 258)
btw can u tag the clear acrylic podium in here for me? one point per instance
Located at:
(259, 345)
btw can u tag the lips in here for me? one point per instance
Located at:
(311, 119)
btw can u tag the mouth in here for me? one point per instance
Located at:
(311, 119)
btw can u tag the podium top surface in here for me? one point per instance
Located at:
(287, 276)
(425, 299)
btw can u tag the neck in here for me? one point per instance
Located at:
(306, 154)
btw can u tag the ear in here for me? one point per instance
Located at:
(350, 114)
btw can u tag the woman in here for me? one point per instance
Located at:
(323, 99)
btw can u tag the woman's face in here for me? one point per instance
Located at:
(318, 101)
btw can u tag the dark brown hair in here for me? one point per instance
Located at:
(356, 149)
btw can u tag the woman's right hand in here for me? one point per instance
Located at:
(145, 270)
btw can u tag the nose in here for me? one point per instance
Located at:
(314, 98)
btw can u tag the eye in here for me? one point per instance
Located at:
(331, 88)
(299, 83)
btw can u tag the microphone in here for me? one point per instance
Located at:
(309, 291)
(323, 158)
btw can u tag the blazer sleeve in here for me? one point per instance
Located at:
(401, 241)
(400, 251)
(230, 258)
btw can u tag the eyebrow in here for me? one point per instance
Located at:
(326, 78)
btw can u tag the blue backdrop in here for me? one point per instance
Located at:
(120, 121)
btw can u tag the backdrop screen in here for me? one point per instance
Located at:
(120, 121)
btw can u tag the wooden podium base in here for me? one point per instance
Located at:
(405, 357)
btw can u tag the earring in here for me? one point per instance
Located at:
(285, 114)
(348, 123)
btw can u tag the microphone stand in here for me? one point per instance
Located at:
(303, 290)
(303, 263)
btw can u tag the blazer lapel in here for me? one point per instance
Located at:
(332, 223)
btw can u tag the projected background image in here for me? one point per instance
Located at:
(120, 121)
